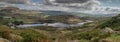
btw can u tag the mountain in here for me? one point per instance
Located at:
(55, 12)
(70, 19)
(113, 23)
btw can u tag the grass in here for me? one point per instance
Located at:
(114, 38)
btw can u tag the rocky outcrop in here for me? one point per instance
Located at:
(108, 30)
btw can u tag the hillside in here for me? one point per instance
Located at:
(113, 23)
(86, 33)
(38, 17)
(70, 19)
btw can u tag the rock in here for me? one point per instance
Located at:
(109, 30)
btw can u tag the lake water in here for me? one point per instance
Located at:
(58, 25)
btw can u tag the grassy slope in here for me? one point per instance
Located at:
(46, 34)
(113, 23)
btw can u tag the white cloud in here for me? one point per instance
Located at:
(97, 10)
(16, 1)
(89, 6)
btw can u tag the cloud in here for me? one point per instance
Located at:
(79, 6)
(83, 4)
(70, 1)
(16, 1)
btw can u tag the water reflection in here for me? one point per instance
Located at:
(58, 25)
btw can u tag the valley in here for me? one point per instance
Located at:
(18, 25)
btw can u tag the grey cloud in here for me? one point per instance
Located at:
(71, 1)
(64, 1)
(16, 1)
(81, 4)
(86, 6)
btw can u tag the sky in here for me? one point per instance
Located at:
(84, 6)
(109, 3)
(112, 3)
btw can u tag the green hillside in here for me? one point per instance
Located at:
(113, 23)
(85, 33)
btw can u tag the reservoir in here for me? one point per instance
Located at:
(58, 25)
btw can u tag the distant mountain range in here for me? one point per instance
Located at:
(77, 14)
(55, 12)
